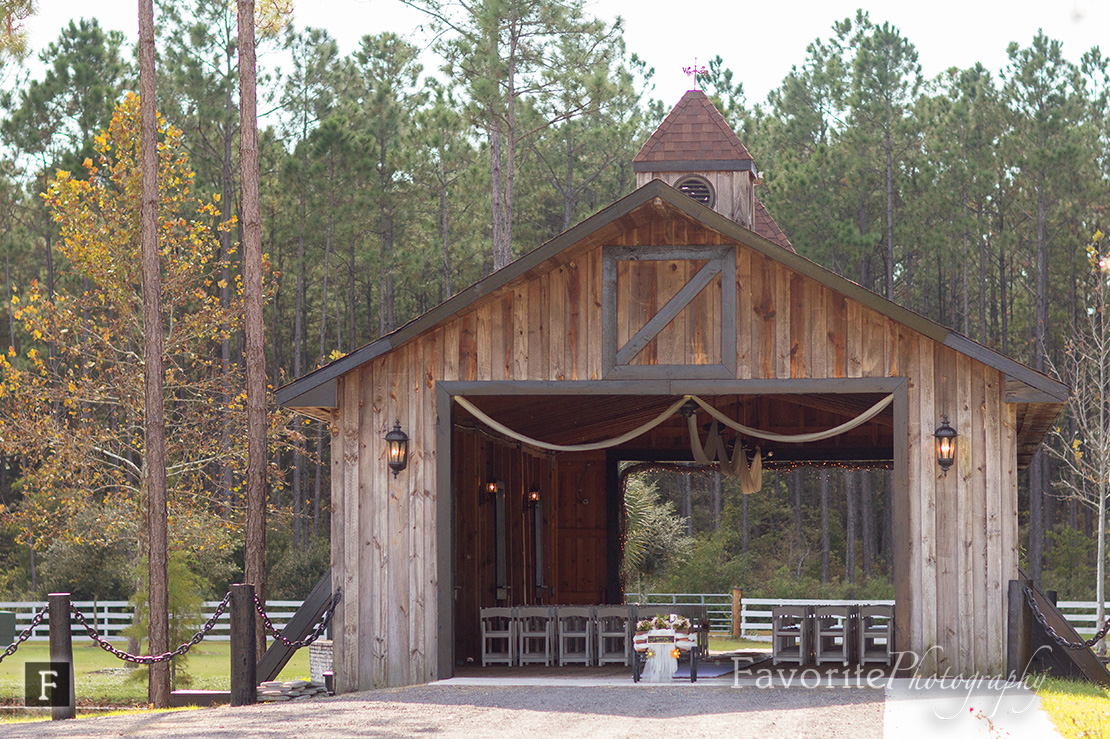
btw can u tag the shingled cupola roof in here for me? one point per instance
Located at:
(694, 136)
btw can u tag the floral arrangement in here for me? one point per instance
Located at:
(661, 621)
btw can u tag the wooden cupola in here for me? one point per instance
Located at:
(695, 151)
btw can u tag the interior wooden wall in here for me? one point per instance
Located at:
(574, 531)
(961, 530)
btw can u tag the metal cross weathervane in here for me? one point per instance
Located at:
(695, 71)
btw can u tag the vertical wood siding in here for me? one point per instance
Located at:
(960, 530)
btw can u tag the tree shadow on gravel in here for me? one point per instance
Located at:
(633, 701)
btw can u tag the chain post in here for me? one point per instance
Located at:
(61, 649)
(1019, 629)
(244, 651)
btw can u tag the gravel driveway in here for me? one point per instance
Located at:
(507, 712)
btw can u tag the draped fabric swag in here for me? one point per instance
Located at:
(735, 465)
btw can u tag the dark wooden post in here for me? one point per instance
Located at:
(244, 652)
(1019, 630)
(737, 611)
(61, 650)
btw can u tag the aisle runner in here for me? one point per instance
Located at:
(954, 712)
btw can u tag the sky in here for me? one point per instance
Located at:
(759, 41)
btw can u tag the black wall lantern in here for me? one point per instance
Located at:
(946, 445)
(532, 499)
(488, 493)
(398, 442)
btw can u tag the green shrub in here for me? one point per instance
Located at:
(186, 601)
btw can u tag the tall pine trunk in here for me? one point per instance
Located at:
(851, 498)
(254, 329)
(824, 487)
(154, 458)
(867, 514)
(1037, 468)
(716, 482)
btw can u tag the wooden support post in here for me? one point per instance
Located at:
(61, 650)
(244, 652)
(1019, 630)
(737, 612)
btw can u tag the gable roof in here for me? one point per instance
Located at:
(693, 136)
(1024, 384)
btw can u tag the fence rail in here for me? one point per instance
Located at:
(755, 613)
(111, 617)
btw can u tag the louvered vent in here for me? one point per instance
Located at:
(698, 189)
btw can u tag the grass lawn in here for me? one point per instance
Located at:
(721, 643)
(103, 680)
(1079, 709)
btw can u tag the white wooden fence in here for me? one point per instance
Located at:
(755, 613)
(112, 616)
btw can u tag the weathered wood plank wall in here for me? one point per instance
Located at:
(961, 529)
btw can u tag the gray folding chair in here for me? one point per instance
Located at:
(498, 636)
(875, 635)
(614, 635)
(575, 628)
(832, 628)
(536, 634)
(790, 634)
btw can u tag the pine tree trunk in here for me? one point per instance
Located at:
(744, 518)
(298, 488)
(318, 483)
(226, 200)
(983, 277)
(824, 487)
(867, 514)
(352, 299)
(888, 520)
(794, 486)
(1037, 468)
(154, 460)
(255, 331)
(497, 197)
(11, 313)
(444, 237)
(965, 304)
(851, 498)
(687, 503)
(716, 501)
(889, 147)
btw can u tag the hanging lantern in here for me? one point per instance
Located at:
(532, 498)
(398, 442)
(946, 445)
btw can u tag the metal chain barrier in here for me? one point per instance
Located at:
(25, 634)
(150, 659)
(1059, 640)
(316, 632)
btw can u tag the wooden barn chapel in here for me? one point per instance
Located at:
(677, 306)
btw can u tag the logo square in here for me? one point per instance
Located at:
(46, 684)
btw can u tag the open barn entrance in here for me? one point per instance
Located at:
(534, 526)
